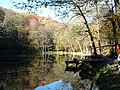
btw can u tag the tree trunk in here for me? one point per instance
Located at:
(89, 32)
(99, 43)
(114, 34)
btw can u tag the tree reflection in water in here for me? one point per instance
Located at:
(18, 73)
(21, 73)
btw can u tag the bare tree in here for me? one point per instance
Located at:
(63, 7)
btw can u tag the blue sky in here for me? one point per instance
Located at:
(5, 3)
(8, 4)
(44, 11)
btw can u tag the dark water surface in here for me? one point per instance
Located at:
(27, 71)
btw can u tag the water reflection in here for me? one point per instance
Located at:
(11, 69)
(23, 72)
(28, 71)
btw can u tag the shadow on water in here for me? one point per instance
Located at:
(29, 71)
(24, 72)
(10, 69)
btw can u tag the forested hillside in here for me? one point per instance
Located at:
(22, 33)
(26, 33)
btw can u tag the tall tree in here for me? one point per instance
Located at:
(112, 16)
(64, 7)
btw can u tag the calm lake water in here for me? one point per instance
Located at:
(27, 72)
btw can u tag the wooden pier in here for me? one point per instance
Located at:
(87, 68)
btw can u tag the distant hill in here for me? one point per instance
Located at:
(48, 23)
(37, 30)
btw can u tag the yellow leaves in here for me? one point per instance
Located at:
(113, 16)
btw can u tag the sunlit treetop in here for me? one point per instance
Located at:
(2, 15)
(32, 17)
